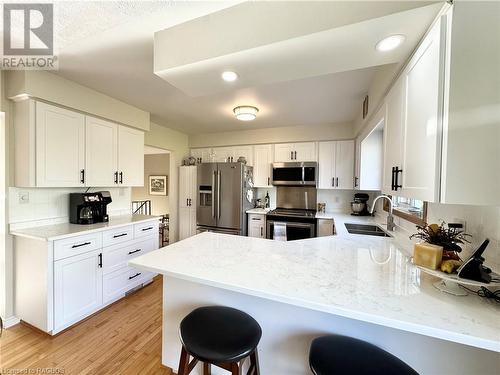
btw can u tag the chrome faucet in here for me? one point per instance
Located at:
(390, 217)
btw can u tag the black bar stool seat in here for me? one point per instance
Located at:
(345, 355)
(219, 335)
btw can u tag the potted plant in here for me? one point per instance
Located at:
(447, 237)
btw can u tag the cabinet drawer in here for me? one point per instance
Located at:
(254, 219)
(118, 235)
(69, 247)
(117, 283)
(116, 257)
(146, 229)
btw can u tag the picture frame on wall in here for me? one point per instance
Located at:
(158, 185)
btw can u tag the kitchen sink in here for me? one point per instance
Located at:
(366, 229)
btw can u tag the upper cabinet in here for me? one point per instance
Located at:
(57, 147)
(336, 165)
(130, 156)
(202, 155)
(59, 155)
(302, 151)
(413, 122)
(263, 158)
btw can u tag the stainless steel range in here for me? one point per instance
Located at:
(295, 213)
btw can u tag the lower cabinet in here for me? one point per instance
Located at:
(257, 225)
(77, 288)
(58, 283)
(325, 227)
(187, 222)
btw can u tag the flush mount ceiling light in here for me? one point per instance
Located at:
(390, 43)
(245, 112)
(229, 76)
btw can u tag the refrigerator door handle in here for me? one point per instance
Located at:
(218, 194)
(213, 195)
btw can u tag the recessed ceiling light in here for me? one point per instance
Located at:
(229, 76)
(245, 112)
(390, 43)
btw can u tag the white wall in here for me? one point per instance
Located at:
(340, 200)
(273, 135)
(51, 205)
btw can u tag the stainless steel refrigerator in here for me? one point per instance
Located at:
(225, 192)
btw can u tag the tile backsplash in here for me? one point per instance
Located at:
(44, 206)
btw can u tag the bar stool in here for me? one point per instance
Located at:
(219, 336)
(345, 355)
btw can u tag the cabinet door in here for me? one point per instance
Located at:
(77, 288)
(326, 165)
(393, 133)
(130, 156)
(101, 141)
(305, 151)
(263, 158)
(187, 222)
(60, 146)
(422, 125)
(202, 155)
(246, 152)
(187, 186)
(283, 152)
(256, 230)
(344, 165)
(223, 154)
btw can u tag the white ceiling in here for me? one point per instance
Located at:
(108, 46)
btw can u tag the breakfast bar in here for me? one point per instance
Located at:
(359, 286)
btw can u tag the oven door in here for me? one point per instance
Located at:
(294, 230)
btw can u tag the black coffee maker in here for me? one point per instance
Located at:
(89, 208)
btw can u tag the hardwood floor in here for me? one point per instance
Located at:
(123, 339)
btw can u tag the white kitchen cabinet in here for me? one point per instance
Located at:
(187, 201)
(77, 288)
(369, 162)
(223, 154)
(57, 147)
(325, 227)
(59, 282)
(130, 156)
(246, 152)
(101, 152)
(423, 83)
(60, 147)
(336, 164)
(303, 151)
(202, 155)
(257, 225)
(263, 159)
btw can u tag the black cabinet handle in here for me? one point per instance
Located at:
(133, 252)
(121, 177)
(397, 171)
(268, 181)
(133, 277)
(291, 155)
(145, 229)
(393, 178)
(187, 201)
(261, 231)
(100, 260)
(82, 176)
(333, 181)
(295, 157)
(80, 245)
(116, 177)
(119, 235)
(356, 181)
(337, 182)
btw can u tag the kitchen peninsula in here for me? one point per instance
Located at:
(360, 286)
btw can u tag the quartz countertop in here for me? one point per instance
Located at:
(365, 278)
(59, 231)
(258, 211)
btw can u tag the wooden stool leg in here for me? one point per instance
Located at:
(183, 363)
(207, 369)
(254, 362)
(235, 368)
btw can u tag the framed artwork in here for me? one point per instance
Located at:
(157, 185)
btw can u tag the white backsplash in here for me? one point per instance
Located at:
(47, 206)
(340, 200)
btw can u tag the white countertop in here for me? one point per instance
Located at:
(59, 231)
(360, 277)
(258, 211)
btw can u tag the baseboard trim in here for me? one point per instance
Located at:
(10, 321)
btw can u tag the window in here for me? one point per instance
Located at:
(413, 210)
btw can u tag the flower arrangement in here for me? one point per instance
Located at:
(443, 235)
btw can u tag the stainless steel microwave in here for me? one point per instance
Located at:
(295, 174)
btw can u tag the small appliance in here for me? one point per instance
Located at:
(295, 174)
(89, 208)
(473, 268)
(359, 205)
